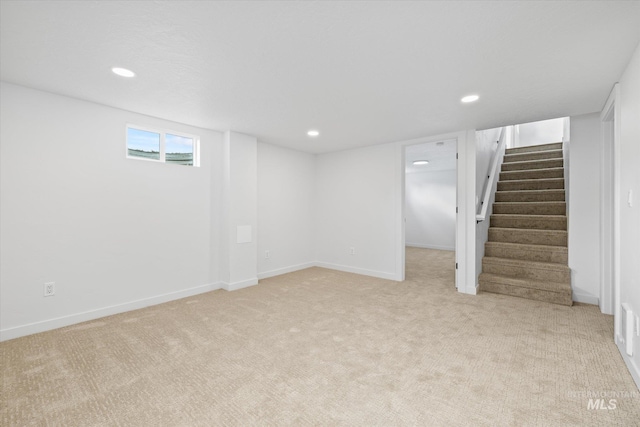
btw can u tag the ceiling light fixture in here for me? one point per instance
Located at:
(123, 72)
(313, 133)
(470, 98)
(421, 162)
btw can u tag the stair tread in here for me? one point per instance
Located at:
(532, 230)
(539, 164)
(536, 145)
(533, 148)
(547, 190)
(558, 287)
(536, 161)
(527, 263)
(511, 181)
(527, 251)
(539, 152)
(529, 246)
(531, 216)
(550, 207)
(550, 202)
(533, 170)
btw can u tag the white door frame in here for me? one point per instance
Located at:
(465, 199)
(610, 209)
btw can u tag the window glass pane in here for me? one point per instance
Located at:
(142, 143)
(178, 149)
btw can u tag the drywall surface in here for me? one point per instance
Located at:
(240, 211)
(112, 233)
(430, 209)
(629, 206)
(542, 132)
(486, 149)
(584, 216)
(286, 194)
(356, 210)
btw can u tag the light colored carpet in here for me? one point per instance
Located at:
(320, 347)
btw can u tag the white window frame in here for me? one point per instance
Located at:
(163, 133)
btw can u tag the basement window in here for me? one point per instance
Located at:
(162, 146)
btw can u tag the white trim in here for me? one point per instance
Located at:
(441, 248)
(285, 270)
(585, 298)
(610, 211)
(72, 319)
(400, 217)
(492, 179)
(239, 285)
(631, 364)
(467, 212)
(356, 270)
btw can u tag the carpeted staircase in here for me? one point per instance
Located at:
(526, 254)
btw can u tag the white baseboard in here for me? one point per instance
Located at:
(239, 285)
(72, 319)
(420, 245)
(285, 270)
(476, 289)
(585, 298)
(356, 270)
(631, 364)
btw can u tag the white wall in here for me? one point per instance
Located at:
(286, 195)
(584, 216)
(486, 148)
(240, 211)
(542, 132)
(430, 209)
(117, 234)
(113, 233)
(630, 181)
(360, 205)
(356, 208)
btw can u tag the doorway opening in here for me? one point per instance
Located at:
(430, 199)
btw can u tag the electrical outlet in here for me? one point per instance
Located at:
(352, 251)
(267, 254)
(49, 289)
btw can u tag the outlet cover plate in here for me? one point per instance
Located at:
(49, 289)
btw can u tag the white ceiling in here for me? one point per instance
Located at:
(441, 156)
(360, 72)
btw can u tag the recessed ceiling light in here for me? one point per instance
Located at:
(313, 133)
(123, 72)
(421, 162)
(470, 98)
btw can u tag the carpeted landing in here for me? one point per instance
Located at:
(321, 347)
